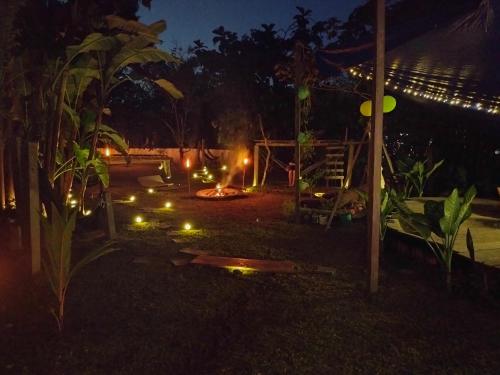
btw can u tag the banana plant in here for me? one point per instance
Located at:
(416, 176)
(107, 56)
(58, 265)
(439, 225)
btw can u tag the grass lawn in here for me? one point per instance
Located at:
(133, 312)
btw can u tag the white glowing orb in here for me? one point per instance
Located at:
(188, 226)
(138, 219)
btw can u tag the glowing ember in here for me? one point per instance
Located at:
(246, 161)
(107, 152)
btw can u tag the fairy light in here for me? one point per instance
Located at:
(132, 198)
(168, 204)
(87, 212)
(151, 191)
(138, 219)
(187, 226)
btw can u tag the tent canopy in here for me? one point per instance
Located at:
(457, 64)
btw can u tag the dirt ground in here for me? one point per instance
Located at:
(134, 312)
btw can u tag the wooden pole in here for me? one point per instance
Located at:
(375, 153)
(33, 209)
(110, 216)
(298, 74)
(255, 165)
(3, 201)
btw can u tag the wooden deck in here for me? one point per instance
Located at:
(484, 225)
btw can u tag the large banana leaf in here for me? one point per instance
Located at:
(131, 26)
(93, 42)
(170, 88)
(132, 56)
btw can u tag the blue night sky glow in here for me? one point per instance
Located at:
(188, 20)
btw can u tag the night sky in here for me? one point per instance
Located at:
(189, 20)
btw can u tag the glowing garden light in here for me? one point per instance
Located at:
(210, 176)
(151, 191)
(87, 212)
(187, 226)
(138, 219)
(107, 152)
(168, 204)
(195, 175)
(224, 167)
(131, 198)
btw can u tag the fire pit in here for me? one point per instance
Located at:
(220, 193)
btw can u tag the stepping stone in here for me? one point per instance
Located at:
(180, 261)
(190, 251)
(243, 264)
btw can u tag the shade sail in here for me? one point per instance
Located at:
(458, 64)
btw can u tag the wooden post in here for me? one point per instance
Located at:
(33, 209)
(298, 76)
(375, 152)
(110, 216)
(3, 201)
(255, 165)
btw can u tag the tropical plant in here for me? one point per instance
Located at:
(388, 207)
(58, 264)
(439, 225)
(415, 175)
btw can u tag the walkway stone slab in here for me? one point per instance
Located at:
(257, 265)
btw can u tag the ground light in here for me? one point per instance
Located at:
(87, 212)
(138, 219)
(168, 204)
(187, 226)
(195, 175)
(132, 198)
(151, 190)
(224, 167)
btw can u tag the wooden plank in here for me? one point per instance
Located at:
(375, 154)
(282, 266)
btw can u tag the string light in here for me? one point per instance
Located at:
(433, 91)
(138, 219)
(187, 226)
(132, 198)
(168, 204)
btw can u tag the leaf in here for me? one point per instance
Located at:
(92, 42)
(451, 208)
(101, 169)
(127, 56)
(72, 115)
(470, 245)
(170, 88)
(116, 140)
(433, 169)
(81, 154)
(132, 26)
(90, 257)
